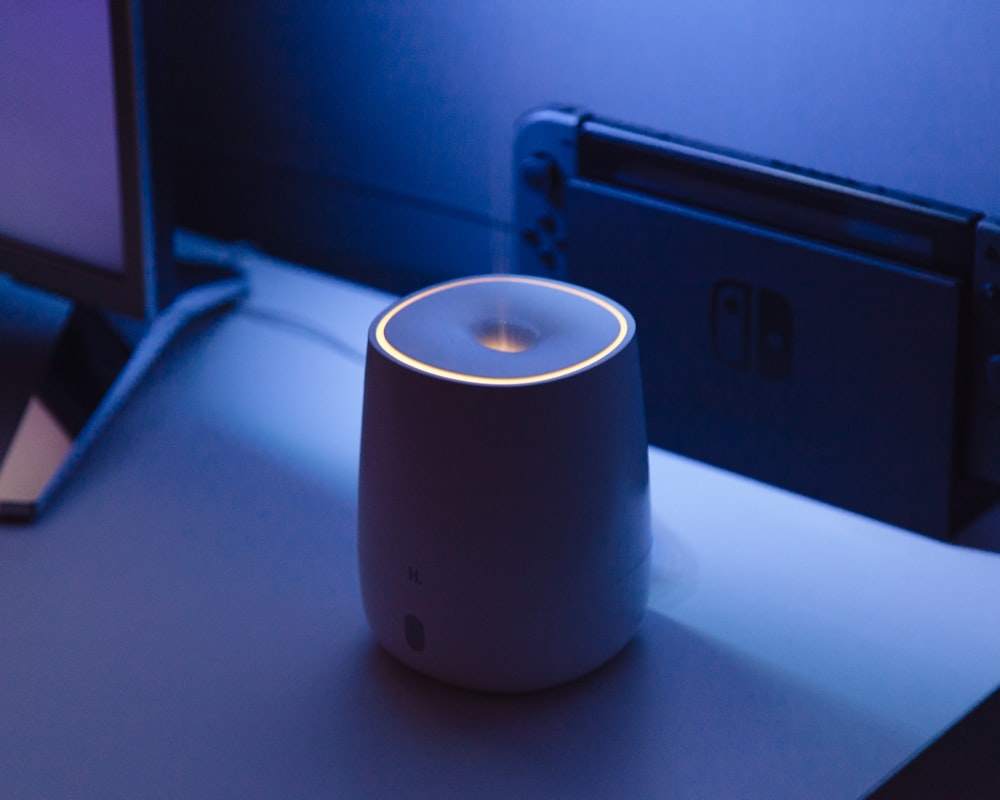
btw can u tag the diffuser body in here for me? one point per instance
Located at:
(504, 525)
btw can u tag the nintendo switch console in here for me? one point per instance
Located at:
(841, 341)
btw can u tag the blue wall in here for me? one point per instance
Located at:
(375, 139)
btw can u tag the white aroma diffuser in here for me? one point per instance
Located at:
(504, 528)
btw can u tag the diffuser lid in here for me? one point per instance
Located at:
(502, 330)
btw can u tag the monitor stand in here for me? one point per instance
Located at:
(66, 368)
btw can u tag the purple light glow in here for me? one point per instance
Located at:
(59, 179)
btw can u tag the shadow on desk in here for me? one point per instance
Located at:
(983, 533)
(675, 715)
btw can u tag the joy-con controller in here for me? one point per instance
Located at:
(544, 158)
(984, 407)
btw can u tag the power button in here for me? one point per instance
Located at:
(413, 629)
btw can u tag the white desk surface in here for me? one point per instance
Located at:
(185, 621)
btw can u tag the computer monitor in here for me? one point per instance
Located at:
(77, 213)
(84, 234)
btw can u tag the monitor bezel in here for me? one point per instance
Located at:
(135, 290)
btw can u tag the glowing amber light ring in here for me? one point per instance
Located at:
(485, 380)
